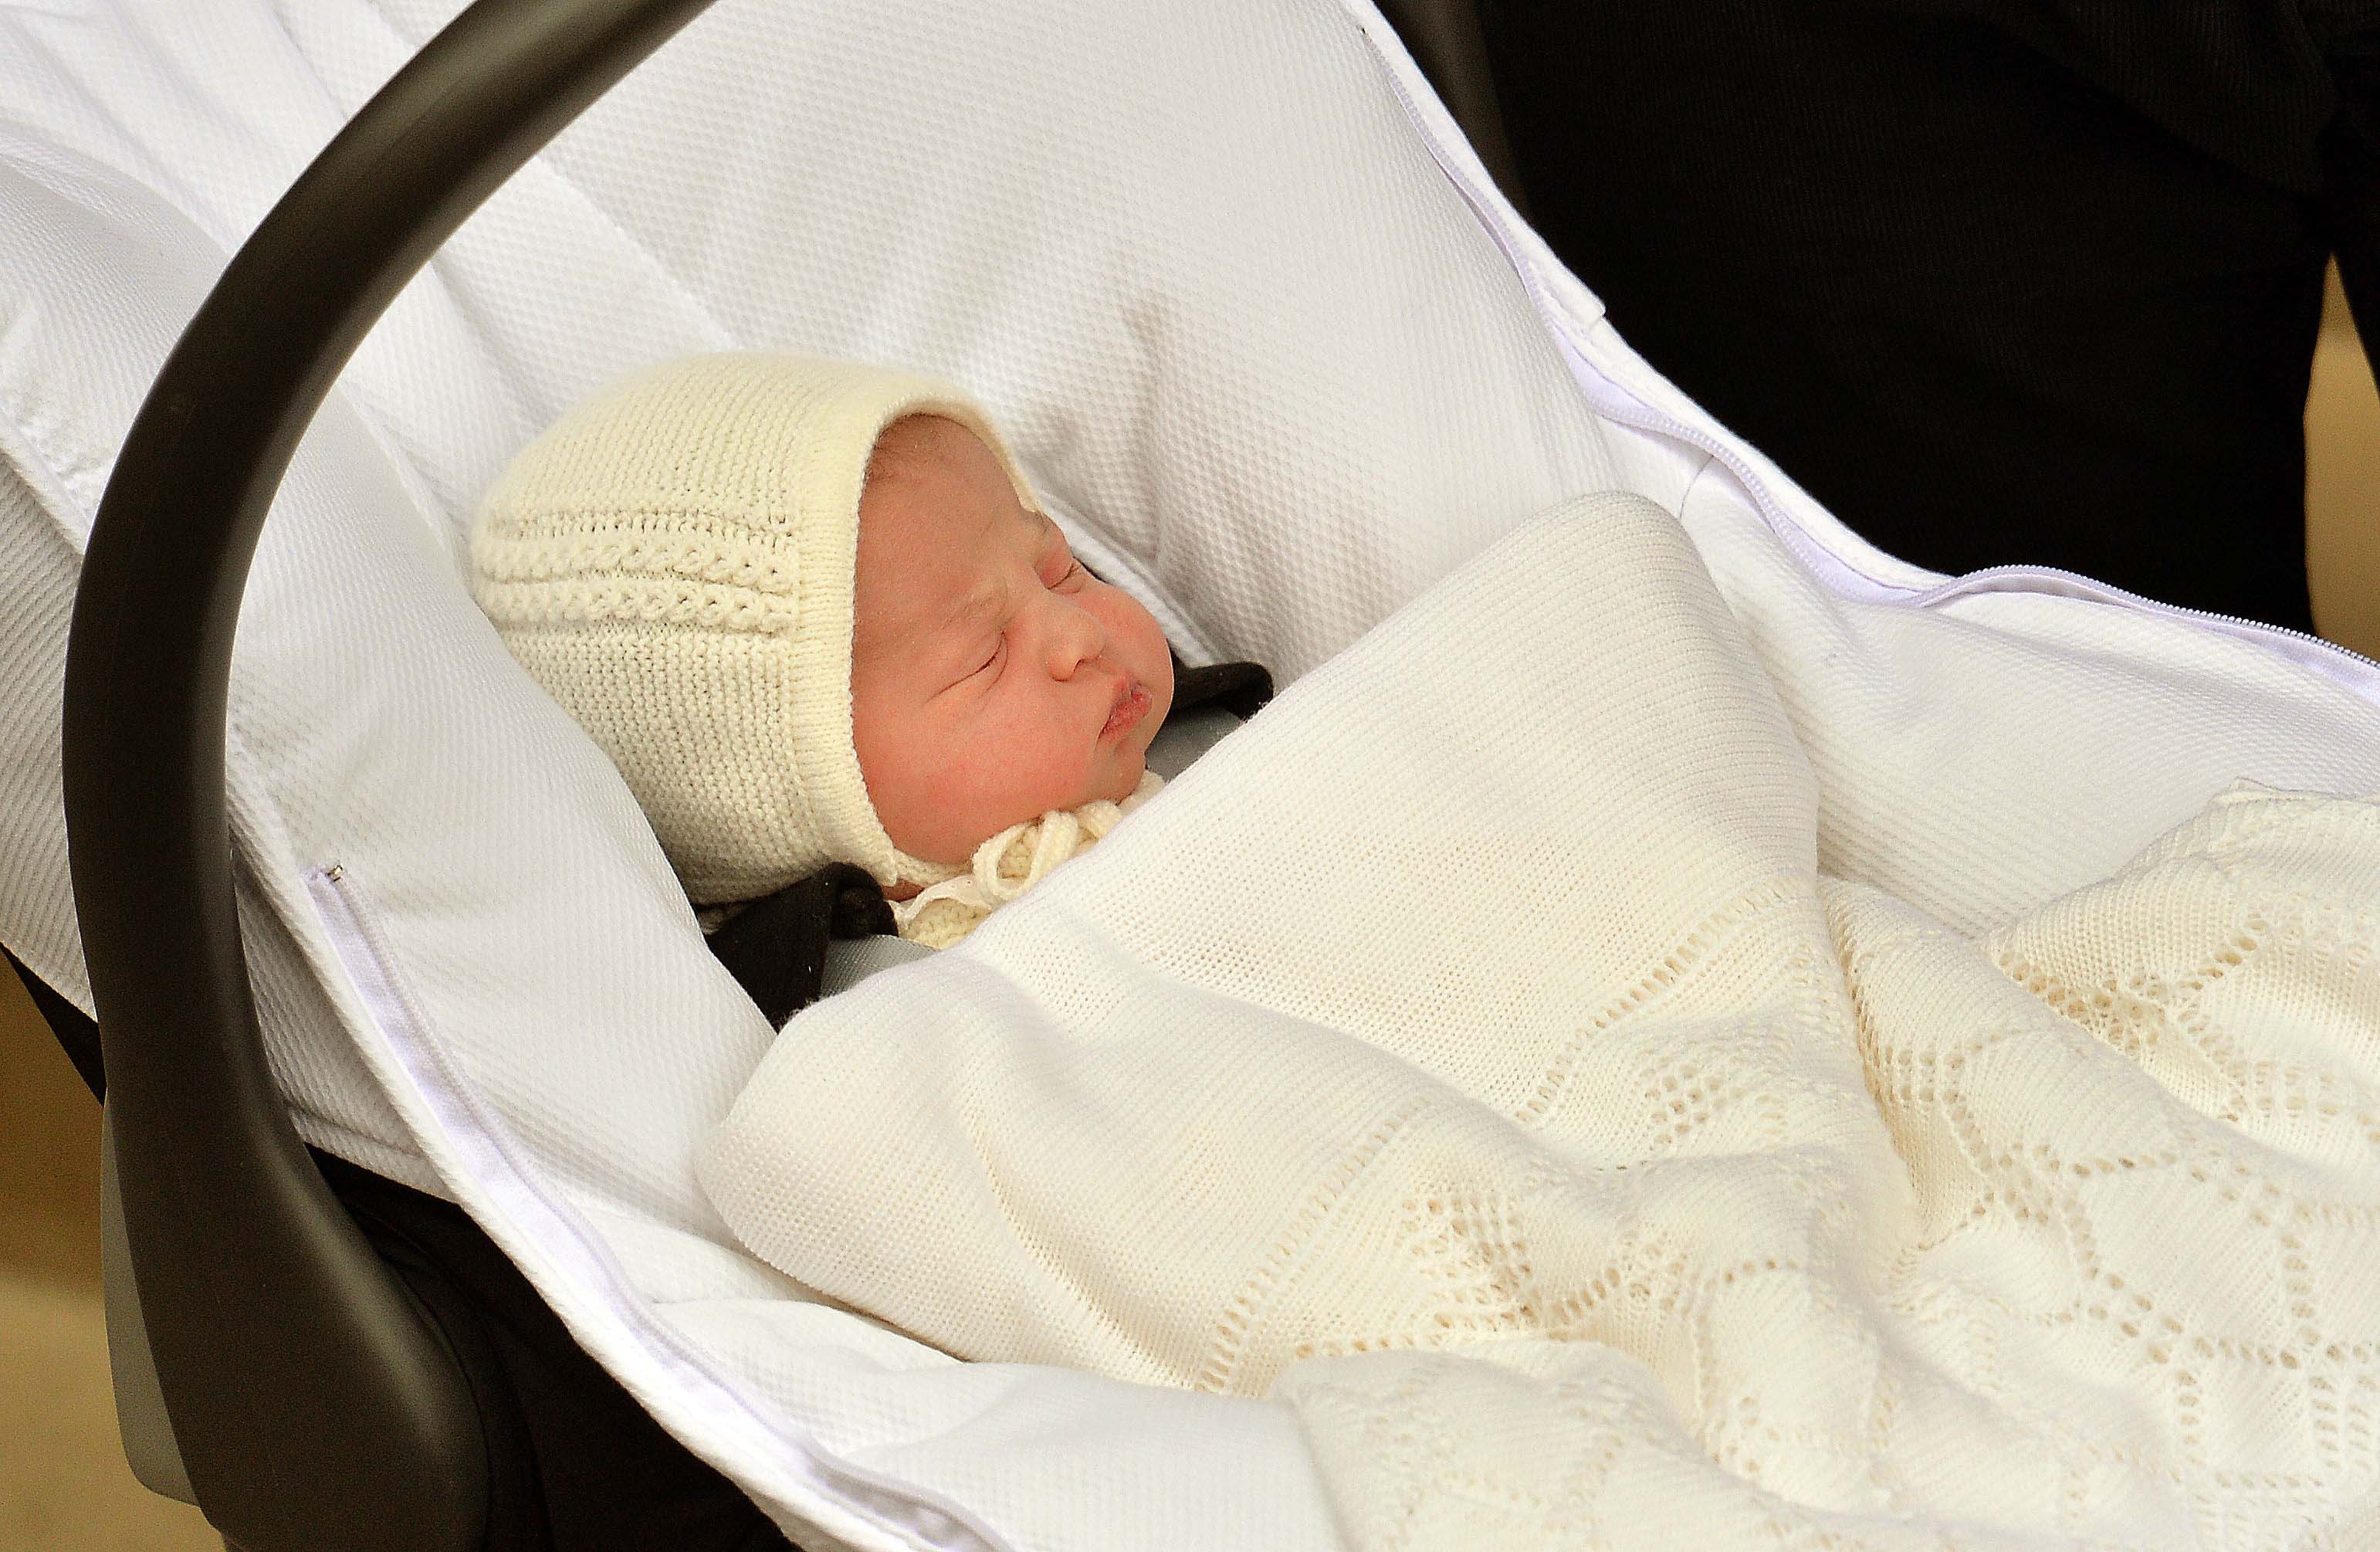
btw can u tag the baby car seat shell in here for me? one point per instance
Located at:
(314, 1399)
(910, 1470)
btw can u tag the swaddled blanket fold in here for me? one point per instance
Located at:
(1469, 1053)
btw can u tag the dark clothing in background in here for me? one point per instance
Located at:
(2000, 283)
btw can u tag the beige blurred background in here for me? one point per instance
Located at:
(63, 1481)
(64, 1487)
(2343, 485)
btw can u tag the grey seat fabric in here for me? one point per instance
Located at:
(850, 960)
(1186, 737)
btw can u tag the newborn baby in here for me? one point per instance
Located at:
(814, 612)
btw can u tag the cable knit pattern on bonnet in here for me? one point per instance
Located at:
(673, 562)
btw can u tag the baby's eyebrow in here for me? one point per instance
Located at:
(981, 606)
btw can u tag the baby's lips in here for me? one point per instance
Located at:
(1132, 703)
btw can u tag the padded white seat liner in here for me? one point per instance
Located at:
(1280, 360)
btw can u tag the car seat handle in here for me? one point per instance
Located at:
(314, 1405)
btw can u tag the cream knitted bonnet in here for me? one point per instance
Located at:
(672, 562)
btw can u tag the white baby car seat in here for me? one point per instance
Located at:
(313, 1399)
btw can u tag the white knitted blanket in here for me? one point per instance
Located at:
(1469, 1053)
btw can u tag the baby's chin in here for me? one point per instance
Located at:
(1132, 758)
(1130, 765)
(1119, 781)
(1130, 768)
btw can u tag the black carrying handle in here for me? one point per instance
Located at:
(314, 1404)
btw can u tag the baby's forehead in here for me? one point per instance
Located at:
(913, 439)
(941, 533)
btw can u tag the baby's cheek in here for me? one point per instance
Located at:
(1038, 763)
(1134, 636)
(910, 794)
(1060, 772)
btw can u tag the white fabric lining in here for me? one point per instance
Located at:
(578, 1274)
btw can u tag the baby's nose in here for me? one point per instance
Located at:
(1076, 638)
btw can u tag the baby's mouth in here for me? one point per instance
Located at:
(1132, 703)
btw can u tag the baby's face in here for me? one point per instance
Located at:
(992, 679)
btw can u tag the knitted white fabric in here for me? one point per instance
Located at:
(1007, 864)
(1585, 1168)
(672, 562)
